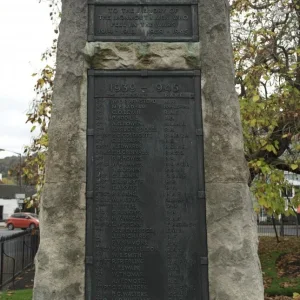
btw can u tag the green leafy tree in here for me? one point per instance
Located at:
(40, 111)
(266, 44)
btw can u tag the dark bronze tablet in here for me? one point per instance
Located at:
(140, 21)
(146, 228)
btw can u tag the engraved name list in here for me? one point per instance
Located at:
(145, 177)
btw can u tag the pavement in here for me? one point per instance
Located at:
(5, 232)
(23, 281)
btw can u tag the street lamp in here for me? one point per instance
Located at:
(20, 178)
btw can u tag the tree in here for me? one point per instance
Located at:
(266, 43)
(39, 116)
(6, 165)
(40, 111)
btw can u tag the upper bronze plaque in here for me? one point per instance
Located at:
(143, 21)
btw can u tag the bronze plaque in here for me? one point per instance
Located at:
(146, 226)
(143, 21)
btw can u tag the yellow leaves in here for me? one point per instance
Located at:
(49, 75)
(252, 122)
(44, 140)
(269, 100)
(276, 144)
(255, 98)
(266, 188)
(29, 204)
(46, 78)
(259, 164)
(296, 296)
(271, 148)
(251, 49)
(294, 166)
(40, 83)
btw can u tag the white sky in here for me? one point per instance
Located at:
(25, 33)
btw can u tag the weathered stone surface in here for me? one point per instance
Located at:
(60, 260)
(232, 241)
(234, 267)
(143, 56)
(59, 263)
(233, 261)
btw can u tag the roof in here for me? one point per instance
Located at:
(9, 191)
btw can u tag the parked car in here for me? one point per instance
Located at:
(22, 220)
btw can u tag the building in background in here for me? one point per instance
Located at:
(11, 198)
(294, 181)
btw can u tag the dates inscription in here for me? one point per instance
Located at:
(145, 192)
(144, 22)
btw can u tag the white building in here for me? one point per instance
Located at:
(294, 180)
(7, 207)
(9, 200)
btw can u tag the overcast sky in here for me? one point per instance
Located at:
(25, 32)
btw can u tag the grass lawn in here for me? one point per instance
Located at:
(16, 295)
(280, 265)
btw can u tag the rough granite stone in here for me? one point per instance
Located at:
(143, 56)
(60, 259)
(234, 269)
(232, 236)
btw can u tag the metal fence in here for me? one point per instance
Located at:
(17, 252)
(285, 226)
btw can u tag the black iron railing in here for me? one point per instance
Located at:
(285, 226)
(17, 252)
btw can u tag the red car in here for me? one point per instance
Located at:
(22, 220)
